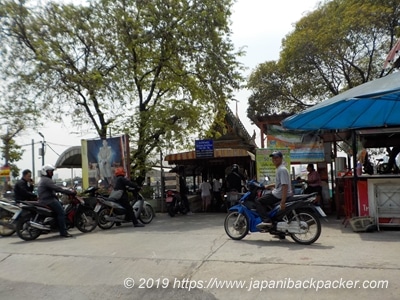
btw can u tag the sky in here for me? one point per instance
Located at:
(257, 25)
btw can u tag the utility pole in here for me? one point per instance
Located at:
(162, 182)
(43, 142)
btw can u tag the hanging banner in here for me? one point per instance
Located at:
(101, 157)
(304, 147)
(264, 165)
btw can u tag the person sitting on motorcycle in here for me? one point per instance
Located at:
(23, 189)
(121, 183)
(234, 179)
(47, 190)
(281, 190)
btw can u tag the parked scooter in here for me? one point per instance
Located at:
(8, 208)
(174, 203)
(36, 219)
(111, 212)
(300, 219)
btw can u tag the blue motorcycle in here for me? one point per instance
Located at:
(300, 219)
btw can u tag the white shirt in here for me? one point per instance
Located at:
(205, 189)
(282, 177)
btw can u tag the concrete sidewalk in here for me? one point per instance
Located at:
(191, 257)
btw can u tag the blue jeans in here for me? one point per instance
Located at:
(59, 210)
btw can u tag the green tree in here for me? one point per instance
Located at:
(10, 151)
(17, 113)
(157, 70)
(341, 44)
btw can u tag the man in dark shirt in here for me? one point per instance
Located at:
(183, 190)
(23, 189)
(234, 179)
(47, 190)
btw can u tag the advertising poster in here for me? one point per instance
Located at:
(101, 157)
(305, 147)
(264, 165)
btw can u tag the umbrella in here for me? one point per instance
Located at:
(372, 104)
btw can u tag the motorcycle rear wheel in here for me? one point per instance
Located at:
(313, 230)
(236, 225)
(101, 221)
(5, 217)
(86, 220)
(147, 214)
(25, 231)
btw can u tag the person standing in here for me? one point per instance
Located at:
(281, 190)
(313, 183)
(205, 189)
(217, 194)
(47, 190)
(23, 189)
(183, 189)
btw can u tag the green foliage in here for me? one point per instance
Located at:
(10, 151)
(147, 192)
(157, 70)
(341, 44)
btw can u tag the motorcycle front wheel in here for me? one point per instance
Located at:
(311, 224)
(236, 225)
(102, 221)
(25, 231)
(147, 214)
(86, 220)
(5, 218)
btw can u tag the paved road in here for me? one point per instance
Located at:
(189, 257)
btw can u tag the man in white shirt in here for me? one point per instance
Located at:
(281, 190)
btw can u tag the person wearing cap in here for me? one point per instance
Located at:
(281, 190)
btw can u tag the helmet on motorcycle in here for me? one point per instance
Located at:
(235, 168)
(119, 171)
(46, 169)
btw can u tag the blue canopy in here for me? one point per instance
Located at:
(372, 104)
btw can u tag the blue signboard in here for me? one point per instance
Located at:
(204, 148)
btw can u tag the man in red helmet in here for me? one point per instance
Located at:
(121, 182)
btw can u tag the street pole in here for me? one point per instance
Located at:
(162, 181)
(43, 141)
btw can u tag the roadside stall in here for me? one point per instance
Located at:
(369, 113)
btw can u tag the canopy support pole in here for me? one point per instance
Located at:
(355, 176)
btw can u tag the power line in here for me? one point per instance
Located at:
(52, 149)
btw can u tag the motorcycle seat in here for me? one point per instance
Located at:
(301, 197)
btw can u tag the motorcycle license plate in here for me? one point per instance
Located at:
(321, 212)
(97, 208)
(169, 199)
